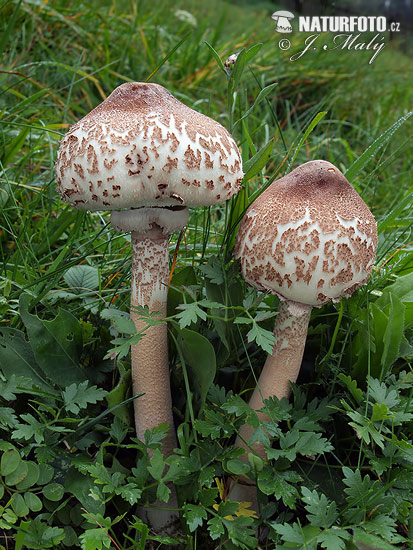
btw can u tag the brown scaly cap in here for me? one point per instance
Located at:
(143, 147)
(309, 237)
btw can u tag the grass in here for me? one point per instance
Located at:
(59, 60)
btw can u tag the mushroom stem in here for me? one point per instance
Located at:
(280, 368)
(150, 365)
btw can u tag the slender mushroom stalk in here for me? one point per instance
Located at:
(150, 230)
(310, 239)
(146, 156)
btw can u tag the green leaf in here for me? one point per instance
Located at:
(333, 539)
(157, 465)
(32, 429)
(279, 484)
(289, 533)
(57, 344)
(32, 477)
(237, 466)
(46, 473)
(367, 540)
(19, 506)
(263, 93)
(377, 144)
(163, 492)
(394, 332)
(194, 516)
(216, 56)
(352, 387)
(256, 163)
(53, 491)
(321, 512)
(263, 337)
(305, 135)
(17, 475)
(215, 528)
(199, 356)
(33, 502)
(213, 270)
(189, 314)
(78, 396)
(9, 462)
(95, 539)
(81, 278)
(17, 358)
(80, 487)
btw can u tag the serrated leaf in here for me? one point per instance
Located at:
(79, 396)
(321, 512)
(352, 387)
(263, 337)
(194, 516)
(157, 465)
(333, 539)
(189, 314)
(213, 271)
(163, 492)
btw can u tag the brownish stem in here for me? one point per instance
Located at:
(280, 368)
(150, 365)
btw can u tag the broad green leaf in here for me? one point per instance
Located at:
(19, 506)
(80, 486)
(46, 473)
(17, 358)
(367, 540)
(199, 356)
(53, 491)
(33, 502)
(17, 475)
(32, 477)
(10, 460)
(82, 278)
(57, 344)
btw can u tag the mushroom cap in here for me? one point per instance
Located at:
(282, 13)
(309, 237)
(143, 147)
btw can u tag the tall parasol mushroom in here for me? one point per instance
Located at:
(310, 239)
(146, 156)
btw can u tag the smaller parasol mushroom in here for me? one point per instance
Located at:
(310, 239)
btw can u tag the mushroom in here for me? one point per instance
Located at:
(310, 239)
(282, 18)
(146, 156)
